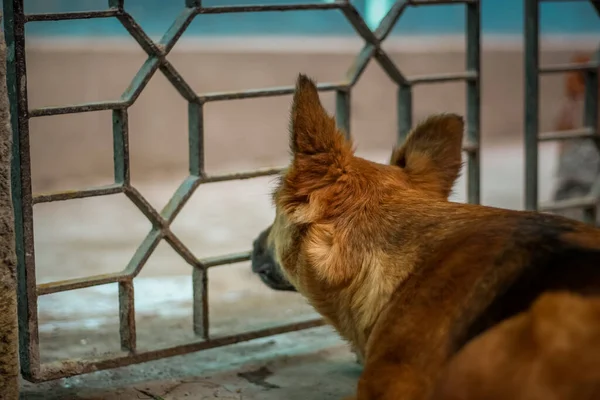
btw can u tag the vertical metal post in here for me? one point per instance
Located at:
(16, 76)
(200, 302)
(473, 63)
(9, 330)
(531, 30)
(591, 99)
(591, 121)
(121, 146)
(196, 138)
(404, 104)
(342, 111)
(127, 316)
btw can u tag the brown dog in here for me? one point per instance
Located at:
(551, 352)
(404, 275)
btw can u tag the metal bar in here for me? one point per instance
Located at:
(141, 79)
(80, 108)
(127, 316)
(267, 92)
(389, 21)
(273, 7)
(473, 64)
(389, 67)
(143, 252)
(571, 67)
(77, 194)
(200, 303)
(404, 111)
(242, 175)
(57, 370)
(182, 195)
(145, 207)
(360, 64)
(196, 138)
(591, 101)
(177, 81)
(211, 262)
(16, 78)
(140, 36)
(353, 16)
(342, 111)
(121, 147)
(370, 49)
(183, 20)
(579, 133)
(580, 202)
(181, 249)
(80, 283)
(359, 24)
(532, 30)
(72, 15)
(468, 76)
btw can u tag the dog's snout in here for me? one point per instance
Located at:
(262, 268)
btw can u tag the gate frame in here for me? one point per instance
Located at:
(533, 136)
(23, 199)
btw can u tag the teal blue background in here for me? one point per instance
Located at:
(498, 17)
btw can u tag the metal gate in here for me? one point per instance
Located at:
(533, 136)
(24, 199)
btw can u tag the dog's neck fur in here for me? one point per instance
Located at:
(353, 305)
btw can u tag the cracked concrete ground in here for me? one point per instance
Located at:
(98, 235)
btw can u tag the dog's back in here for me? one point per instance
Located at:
(483, 272)
(551, 352)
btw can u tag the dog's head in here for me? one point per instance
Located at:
(337, 214)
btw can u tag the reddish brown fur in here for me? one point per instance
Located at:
(551, 352)
(404, 275)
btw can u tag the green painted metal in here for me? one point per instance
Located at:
(405, 112)
(473, 61)
(161, 221)
(342, 111)
(16, 75)
(532, 99)
(121, 146)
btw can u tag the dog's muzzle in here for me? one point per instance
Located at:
(265, 266)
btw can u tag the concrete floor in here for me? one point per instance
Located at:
(98, 235)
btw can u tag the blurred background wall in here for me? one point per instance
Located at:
(82, 61)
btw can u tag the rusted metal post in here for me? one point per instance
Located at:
(9, 348)
(532, 97)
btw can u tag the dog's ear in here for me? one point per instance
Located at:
(320, 154)
(313, 131)
(432, 153)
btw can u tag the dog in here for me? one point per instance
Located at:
(404, 275)
(550, 352)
